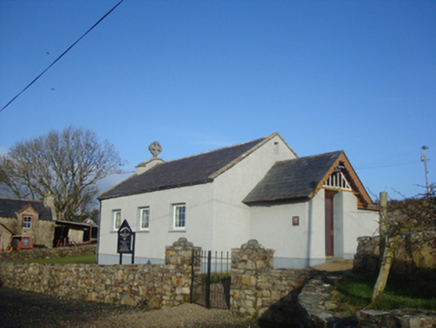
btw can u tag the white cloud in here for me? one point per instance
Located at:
(111, 181)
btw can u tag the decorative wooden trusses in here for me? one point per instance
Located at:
(341, 176)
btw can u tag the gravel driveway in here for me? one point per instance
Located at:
(24, 309)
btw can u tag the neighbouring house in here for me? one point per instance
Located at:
(28, 218)
(38, 220)
(308, 209)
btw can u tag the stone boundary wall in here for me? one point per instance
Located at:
(260, 291)
(47, 253)
(416, 250)
(397, 318)
(257, 289)
(149, 286)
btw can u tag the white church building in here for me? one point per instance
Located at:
(307, 209)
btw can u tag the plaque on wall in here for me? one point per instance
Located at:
(295, 220)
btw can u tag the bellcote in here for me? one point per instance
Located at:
(155, 149)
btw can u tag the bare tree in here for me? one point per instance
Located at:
(67, 164)
(411, 214)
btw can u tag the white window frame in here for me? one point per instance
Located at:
(143, 210)
(179, 218)
(27, 224)
(116, 216)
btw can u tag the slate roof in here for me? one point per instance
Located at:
(292, 179)
(9, 207)
(198, 169)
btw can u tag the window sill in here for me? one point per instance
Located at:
(143, 231)
(177, 230)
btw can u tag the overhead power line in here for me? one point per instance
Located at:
(57, 59)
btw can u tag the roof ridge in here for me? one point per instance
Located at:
(310, 156)
(214, 150)
(259, 144)
(330, 152)
(197, 169)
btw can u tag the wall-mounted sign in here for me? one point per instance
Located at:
(295, 220)
(126, 241)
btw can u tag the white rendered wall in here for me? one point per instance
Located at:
(357, 223)
(150, 245)
(317, 226)
(232, 218)
(350, 223)
(295, 246)
(272, 227)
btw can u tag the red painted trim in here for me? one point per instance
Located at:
(31, 221)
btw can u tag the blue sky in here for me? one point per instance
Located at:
(358, 76)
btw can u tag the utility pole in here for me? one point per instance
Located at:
(424, 159)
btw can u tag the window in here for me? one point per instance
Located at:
(26, 242)
(179, 217)
(144, 218)
(27, 222)
(117, 219)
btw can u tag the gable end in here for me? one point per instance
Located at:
(363, 199)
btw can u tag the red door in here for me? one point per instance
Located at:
(329, 235)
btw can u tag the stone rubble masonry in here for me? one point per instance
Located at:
(296, 297)
(147, 286)
(398, 318)
(317, 305)
(415, 250)
(47, 253)
(257, 287)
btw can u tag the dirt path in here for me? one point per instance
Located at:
(335, 265)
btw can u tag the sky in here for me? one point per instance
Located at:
(357, 76)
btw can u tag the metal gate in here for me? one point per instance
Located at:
(210, 279)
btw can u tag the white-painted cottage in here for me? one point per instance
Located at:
(308, 209)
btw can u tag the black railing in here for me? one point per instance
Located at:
(211, 279)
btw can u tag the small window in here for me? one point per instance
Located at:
(179, 217)
(144, 218)
(27, 222)
(26, 241)
(117, 219)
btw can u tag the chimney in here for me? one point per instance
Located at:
(49, 201)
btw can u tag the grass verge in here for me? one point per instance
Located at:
(355, 293)
(82, 259)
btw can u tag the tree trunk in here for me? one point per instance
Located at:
(385, 268)
(386, 249)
